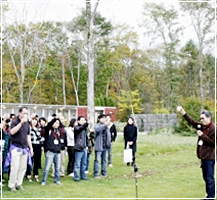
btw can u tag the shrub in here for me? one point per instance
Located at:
(160, 111)
(193, 106)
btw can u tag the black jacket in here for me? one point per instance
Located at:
(113, 132)
(130, 134)
(80, 136)
(50, 136)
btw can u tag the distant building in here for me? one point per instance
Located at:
(69, 111)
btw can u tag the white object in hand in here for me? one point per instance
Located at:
(179, 108)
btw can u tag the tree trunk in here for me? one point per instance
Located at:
(90, 61)
(63, 79)
(73, 81)
(36, 79)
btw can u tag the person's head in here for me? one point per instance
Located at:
(72, 122)
(2, 123)
(130, 121)
(42, 121)
(12, 116)
(62, 119)
(205, 117)
(81, 120)
(34, 122)
(23, 112)
(108, 118)
(56, 124)
(102, 118)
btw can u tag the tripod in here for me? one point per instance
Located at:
(135, 176)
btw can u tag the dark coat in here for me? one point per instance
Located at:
(80, 136)
(51, 135)
(130, 134)
(207, 150)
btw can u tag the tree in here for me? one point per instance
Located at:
(162, 24)
(202, 15)
(128, 104)
(90, 59)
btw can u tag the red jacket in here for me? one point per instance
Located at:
(205, 151)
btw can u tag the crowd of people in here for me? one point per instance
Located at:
(26, 138)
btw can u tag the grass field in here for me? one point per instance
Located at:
(168, 165)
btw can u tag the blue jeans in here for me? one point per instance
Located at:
(98, 155)
(88, 161)
(208, 167)
(80, 164)
(52, 158)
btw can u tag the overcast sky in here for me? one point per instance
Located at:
(117, 11)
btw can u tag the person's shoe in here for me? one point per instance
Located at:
(43, 183)
(128, 164)
(13, 189)
(36, 178)
(87, 172)
(105, 175)
(110, 165)
(58, 183)
(97, 177)
(85, 179)
(71, 175)
(76, 180)
(62, 175)
(20, 187)
(29, 178)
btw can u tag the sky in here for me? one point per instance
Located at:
(117, 11)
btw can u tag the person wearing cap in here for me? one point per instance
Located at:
(205, 147)
(102, 143)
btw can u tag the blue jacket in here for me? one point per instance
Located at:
(98, 143)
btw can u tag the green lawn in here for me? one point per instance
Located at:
(168, 165)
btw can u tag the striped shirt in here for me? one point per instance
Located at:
(35, 136)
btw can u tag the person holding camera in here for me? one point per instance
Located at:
(205, 147)
(102, 142)
(81, 146)
(20, 150)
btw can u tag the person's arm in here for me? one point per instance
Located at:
(189, 119)
(135, 135)
(99, 128)
(30, 144)
(15, 129)
(115, 133)
(209, 137)
(125, 134)
(79, 129)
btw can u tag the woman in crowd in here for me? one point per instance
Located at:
(37, 145)
(52, 148)
(130, 137)
(70, 147)
(42, 124)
